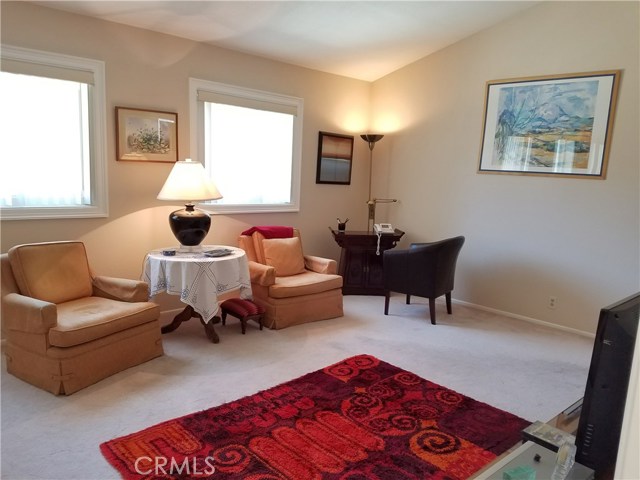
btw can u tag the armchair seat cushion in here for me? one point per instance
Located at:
(306, 283)
(91, 318)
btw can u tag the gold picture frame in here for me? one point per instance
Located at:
(555, 125)
(146, 135)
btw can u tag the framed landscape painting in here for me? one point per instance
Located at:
(146, 135)
(557, 125)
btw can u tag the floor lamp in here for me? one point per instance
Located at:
(371, 139)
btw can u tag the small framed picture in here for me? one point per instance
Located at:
(146, 135)
(556, 125)
(335, 152)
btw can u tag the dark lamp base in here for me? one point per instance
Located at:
(190, 226)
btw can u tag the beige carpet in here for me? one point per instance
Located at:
(527, 369)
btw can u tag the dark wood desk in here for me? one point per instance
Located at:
(360, 267)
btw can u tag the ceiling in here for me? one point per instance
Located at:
(359, 39)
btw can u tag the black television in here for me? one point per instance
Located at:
(600, 424)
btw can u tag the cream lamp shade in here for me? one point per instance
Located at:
(188, 182)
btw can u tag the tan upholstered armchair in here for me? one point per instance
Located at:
(292, 287)
(66, 328)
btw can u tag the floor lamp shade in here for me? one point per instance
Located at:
(371, 139)
(188, 182)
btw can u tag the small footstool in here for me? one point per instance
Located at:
(244, 310)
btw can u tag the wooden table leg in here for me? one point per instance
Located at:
(189, 313)
(183, 316)
(210, 331)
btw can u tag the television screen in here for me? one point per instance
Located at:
(605, 394)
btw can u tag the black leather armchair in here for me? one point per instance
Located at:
(425, 269)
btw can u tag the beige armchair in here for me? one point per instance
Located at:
(66, 328)
(292, 287)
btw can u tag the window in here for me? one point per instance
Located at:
(250, 144)
(52, 122)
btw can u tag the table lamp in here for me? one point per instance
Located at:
(189, 182)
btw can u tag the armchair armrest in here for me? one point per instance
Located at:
(27, 314)
(122, 289)
(261, 274)
(320, 264)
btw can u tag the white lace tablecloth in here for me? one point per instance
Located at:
(198, 279)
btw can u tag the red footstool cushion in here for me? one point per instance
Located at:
(244, 310)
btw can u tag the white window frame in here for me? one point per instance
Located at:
(196, 112)
(99, 206)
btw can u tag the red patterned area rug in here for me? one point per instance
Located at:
(360, 419)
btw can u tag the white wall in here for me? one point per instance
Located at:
(528, 238)
(150, 70)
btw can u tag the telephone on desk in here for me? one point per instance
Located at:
(380, 228)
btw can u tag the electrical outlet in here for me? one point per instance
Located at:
(553, 303)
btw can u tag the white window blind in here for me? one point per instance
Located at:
(12, 65)
(250, 142)
(248, 102)
(52, 119)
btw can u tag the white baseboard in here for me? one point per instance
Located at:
(525, 319)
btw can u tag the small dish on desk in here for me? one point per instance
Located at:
(218, 252)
